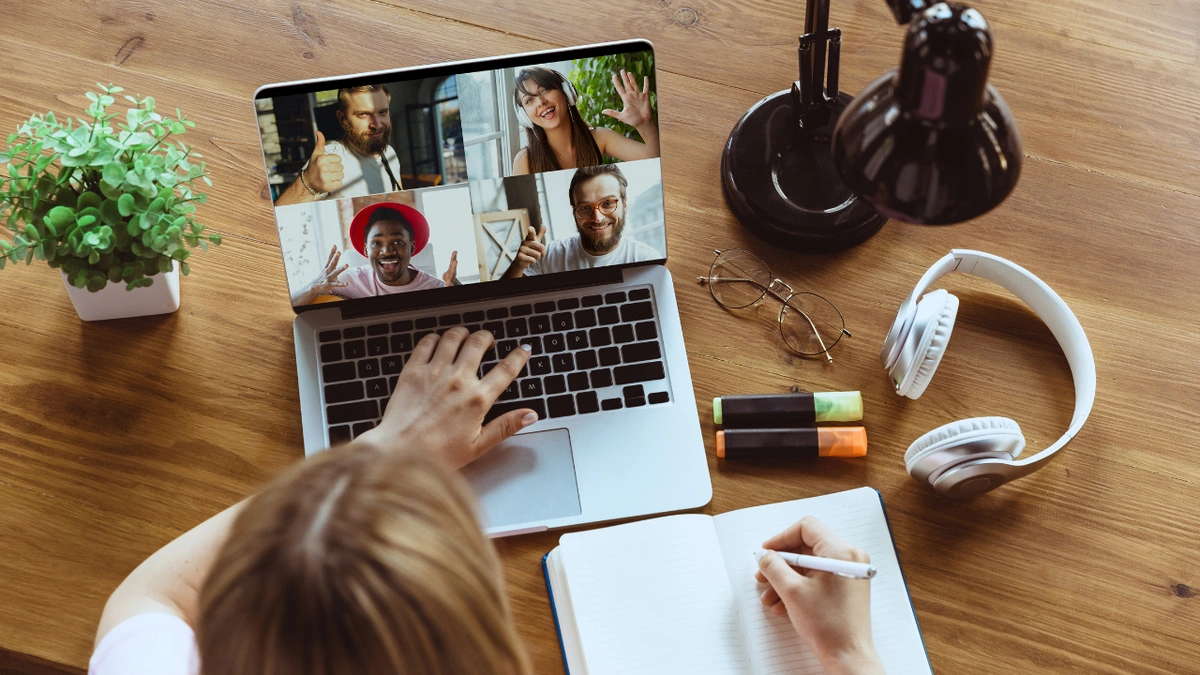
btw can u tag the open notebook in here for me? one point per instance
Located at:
(678, 595)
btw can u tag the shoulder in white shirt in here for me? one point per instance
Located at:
(564, 255)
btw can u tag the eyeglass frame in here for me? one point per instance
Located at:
(592, 208)
(785, 302)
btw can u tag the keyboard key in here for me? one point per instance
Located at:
(391, 386)
(390, 365)
(449, 320)
(474, 328)
(534, 342)
(539, 324)
(601, 378)
(608, 316)
(587, 402)
(331, 352)
(516, 327)
(377, 388)
(600, 337)
(355, 332)
(610, 356)
(610, 404)
(562, 322)
(561, 406)
(568, 303)
(638, 311)
(554, 384)
(352, 412)
(496, 328)
(577, 381)
(490, 354)
(635, 402)
(377, 329)
(642, 351)
(497, 313)
(473, 317)
(442, 331)
(339, 435)
(329, 335)
(622, 333)
(402, 326)
(577, 339)
(383, 404)
(499, 409)
(402, 343)
(420, 335)
(633, 391)
(368, 368)
(592, 300)
(586, 360)
(531, 387)
(505, 348)
(659, 397)
(544, 307)
(485, 369)
(615, 298)
(555, 342)
(355, 349)
(639, 294)
(337, 372)
(362, 428)
(427, 322)
(539, 365)
(511, 392)
(646, 330)
(585, 318)
(642, 372)
(522, 310)
(346, 391)
(377, 346)
(563, 363)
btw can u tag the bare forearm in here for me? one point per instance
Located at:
(295, 193)
(649, 133)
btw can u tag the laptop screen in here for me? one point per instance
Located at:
(459, 174)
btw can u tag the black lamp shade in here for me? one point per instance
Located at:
(932, 143)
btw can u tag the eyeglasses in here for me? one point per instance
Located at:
(606, 206)
(809, 324)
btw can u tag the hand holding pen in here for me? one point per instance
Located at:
(830, 612)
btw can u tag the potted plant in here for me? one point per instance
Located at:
(105, 205)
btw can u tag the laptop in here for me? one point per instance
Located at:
(411, 201)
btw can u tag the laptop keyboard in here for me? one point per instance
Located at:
(591, 353)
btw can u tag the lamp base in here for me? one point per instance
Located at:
(780, 182)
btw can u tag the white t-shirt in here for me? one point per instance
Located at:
(364, 284)
(363, 175)
(563, 255)
(147, 644)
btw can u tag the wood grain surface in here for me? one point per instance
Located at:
(117, 437)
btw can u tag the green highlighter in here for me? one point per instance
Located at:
(785, 411)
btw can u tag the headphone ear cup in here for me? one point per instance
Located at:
(523, 118)
(569, 90)
(951, 444)
(932, 328)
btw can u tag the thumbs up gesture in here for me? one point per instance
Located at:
(531, 249)
(324, 172)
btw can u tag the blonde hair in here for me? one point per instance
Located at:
(358, 562)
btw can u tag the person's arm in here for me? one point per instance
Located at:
(323, 173)
(831, 613)
(325, 282)
(521, 163)
(530, 252)
(450, 276)
(444, 403)
(638, 114)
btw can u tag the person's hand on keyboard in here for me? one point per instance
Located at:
(440, 402)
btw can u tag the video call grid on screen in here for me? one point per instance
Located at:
(455, 150)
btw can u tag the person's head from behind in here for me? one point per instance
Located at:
(365, 115)
(541, 93)
(390, 243)
(358, 562)
(597, 195)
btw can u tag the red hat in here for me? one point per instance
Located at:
(420, 226)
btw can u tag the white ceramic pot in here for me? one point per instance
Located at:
(114, 302)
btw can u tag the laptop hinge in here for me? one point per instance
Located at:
(389, 304)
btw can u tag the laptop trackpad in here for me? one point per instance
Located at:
(528, 478)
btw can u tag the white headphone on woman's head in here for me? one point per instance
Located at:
(567, 88)
(969, 457)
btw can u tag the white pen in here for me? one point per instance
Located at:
(843, 568)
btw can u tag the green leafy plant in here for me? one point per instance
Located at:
(592, 78)
(103, 205)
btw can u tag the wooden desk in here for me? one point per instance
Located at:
(115, 438)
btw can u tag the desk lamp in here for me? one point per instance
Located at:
(814, 170)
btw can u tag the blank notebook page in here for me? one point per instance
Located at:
(654, 597)
(856, 516)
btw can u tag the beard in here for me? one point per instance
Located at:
(363, 144)
(604, 242)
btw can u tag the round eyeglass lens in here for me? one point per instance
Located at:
(738, 278)
(810, 324)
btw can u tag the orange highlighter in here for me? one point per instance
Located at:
(816, 442)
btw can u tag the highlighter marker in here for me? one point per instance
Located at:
(819, 442)
(774, 411)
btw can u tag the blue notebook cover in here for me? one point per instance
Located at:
(553, 610)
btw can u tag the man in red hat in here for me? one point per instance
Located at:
(389, 234)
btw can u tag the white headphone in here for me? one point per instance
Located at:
(567, 88)
(969, 457)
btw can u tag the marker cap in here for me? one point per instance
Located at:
(838, 406)
(842, 441)
(717, 413)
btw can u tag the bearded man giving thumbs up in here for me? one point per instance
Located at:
(362, 163)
